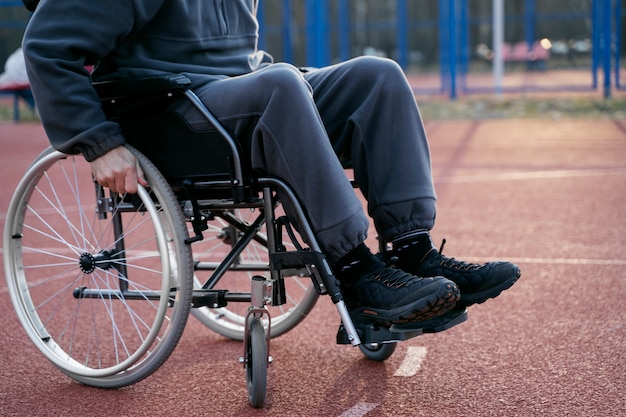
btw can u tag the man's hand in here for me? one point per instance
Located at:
(118, 170)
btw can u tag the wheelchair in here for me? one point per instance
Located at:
(103, 283)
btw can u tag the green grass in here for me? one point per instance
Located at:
(506, 108)
(471, 108)
(6, 111)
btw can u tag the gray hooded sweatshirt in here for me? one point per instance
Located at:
(204, 40)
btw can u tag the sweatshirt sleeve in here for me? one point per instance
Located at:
(62, 37)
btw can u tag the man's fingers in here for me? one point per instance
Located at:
(130, 181)
(141, 178)
(119, 170)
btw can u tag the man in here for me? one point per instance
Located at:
(294, 125)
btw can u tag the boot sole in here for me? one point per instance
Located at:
(432, 305)
(480, 297)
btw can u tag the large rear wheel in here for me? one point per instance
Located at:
(100, 282)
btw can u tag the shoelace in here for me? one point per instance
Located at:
(454, 264)
(394, 278)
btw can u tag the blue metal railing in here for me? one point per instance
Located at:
(327, 33)
(328, 28)
(620, 13)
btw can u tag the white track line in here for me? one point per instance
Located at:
(552, 261)
(359, 410)
(531, 175)
(412, 361)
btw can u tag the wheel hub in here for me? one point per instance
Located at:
(89, 262)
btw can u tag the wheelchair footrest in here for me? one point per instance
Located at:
(372, 333)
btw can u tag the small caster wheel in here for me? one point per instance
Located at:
(378, 351)
(256, 365)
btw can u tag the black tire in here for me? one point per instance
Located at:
(378, 352)
(256, 366)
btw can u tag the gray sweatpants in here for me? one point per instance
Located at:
(300, 126)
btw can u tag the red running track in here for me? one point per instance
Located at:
(549, 195)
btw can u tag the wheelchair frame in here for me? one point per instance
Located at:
(147, 285)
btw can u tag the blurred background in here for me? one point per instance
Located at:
(448, 47)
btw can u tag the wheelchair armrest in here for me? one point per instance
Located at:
(141, 87)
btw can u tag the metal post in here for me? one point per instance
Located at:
(453, 49)
(317, 33)
(443, 42)
(606, 52)
(260, 15)
(324, 45)
(311, 46)
(287, 29)
(465, 47)
(618, 31)
(344, 30)
(529, 23)
(498, 42)
(596, 39)
(402, 33)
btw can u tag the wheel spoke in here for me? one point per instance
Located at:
(104, 296)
